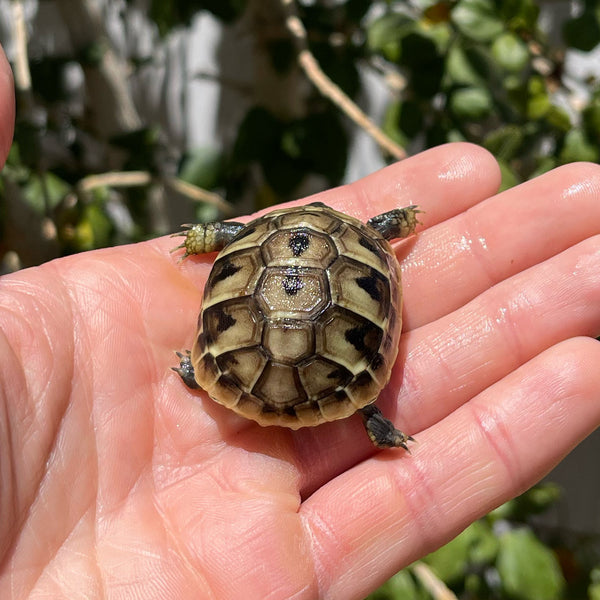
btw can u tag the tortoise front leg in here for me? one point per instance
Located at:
(382, 431)
(397, 223)
(207, 237)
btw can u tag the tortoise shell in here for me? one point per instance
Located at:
(300, 319)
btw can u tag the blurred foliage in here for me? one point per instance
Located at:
(505, 556)
(478, 70)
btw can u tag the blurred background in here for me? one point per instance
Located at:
(134, 116)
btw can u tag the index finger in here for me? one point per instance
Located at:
(7, 107)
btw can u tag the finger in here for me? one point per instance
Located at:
(7, 107)
(453, 262)
(386, 512)
(459, 355)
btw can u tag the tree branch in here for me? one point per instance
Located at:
(328, 88)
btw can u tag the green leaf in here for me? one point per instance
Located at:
(509, 178)
(510, 52)
(402, 585)
(44, 192)
(528, 569)
(591, 118)
(477, 19)
(558, 118)
(475, 545)
(92, 230)
(538, 103)
(202, 167)
(504, 142)
(578, 147)
(583, 33)
(459, 69)
(403, 121)
(471, 103)
(385, 34)
(545, 164)
(519, 14)
(543, 495)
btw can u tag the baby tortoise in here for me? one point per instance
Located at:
(301, 316)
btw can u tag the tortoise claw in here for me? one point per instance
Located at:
(185, 370)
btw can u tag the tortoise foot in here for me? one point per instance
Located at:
(186, 371)
(381, 431)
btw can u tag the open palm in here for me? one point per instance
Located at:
(119, 482)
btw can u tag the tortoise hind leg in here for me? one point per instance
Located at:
(382, 431)
(207, 237)
(397, 223)
(185, 370)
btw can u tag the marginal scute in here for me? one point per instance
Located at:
(279, 386)
(243, 366)
(237, 273)
(301, 318)
(359, 245)
(247, 330)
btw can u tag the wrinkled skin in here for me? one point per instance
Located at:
(119, 482)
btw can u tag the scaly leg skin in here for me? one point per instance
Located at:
(382, 431)
(207, 237)
(186, 370)
(397, 223)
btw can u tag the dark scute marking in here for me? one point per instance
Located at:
(289, 410)
(364, 338)
(225, 321)
(227, 269)
(370, 246)
(340, 373)
(363, 378)
(369, 284)
(292, 284)
(228, 382)
(299, 242)
(340, 395)
(244, 233)
(210, 363)
(377, 362)
(201, 342)
(225, 361)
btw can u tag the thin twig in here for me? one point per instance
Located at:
(431, 582)
(200, 194)
(22, 73)
(114, 179)
(328, 88)
(122, 179)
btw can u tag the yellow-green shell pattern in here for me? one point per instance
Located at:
(300, 319)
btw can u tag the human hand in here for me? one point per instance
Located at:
(118, 481)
